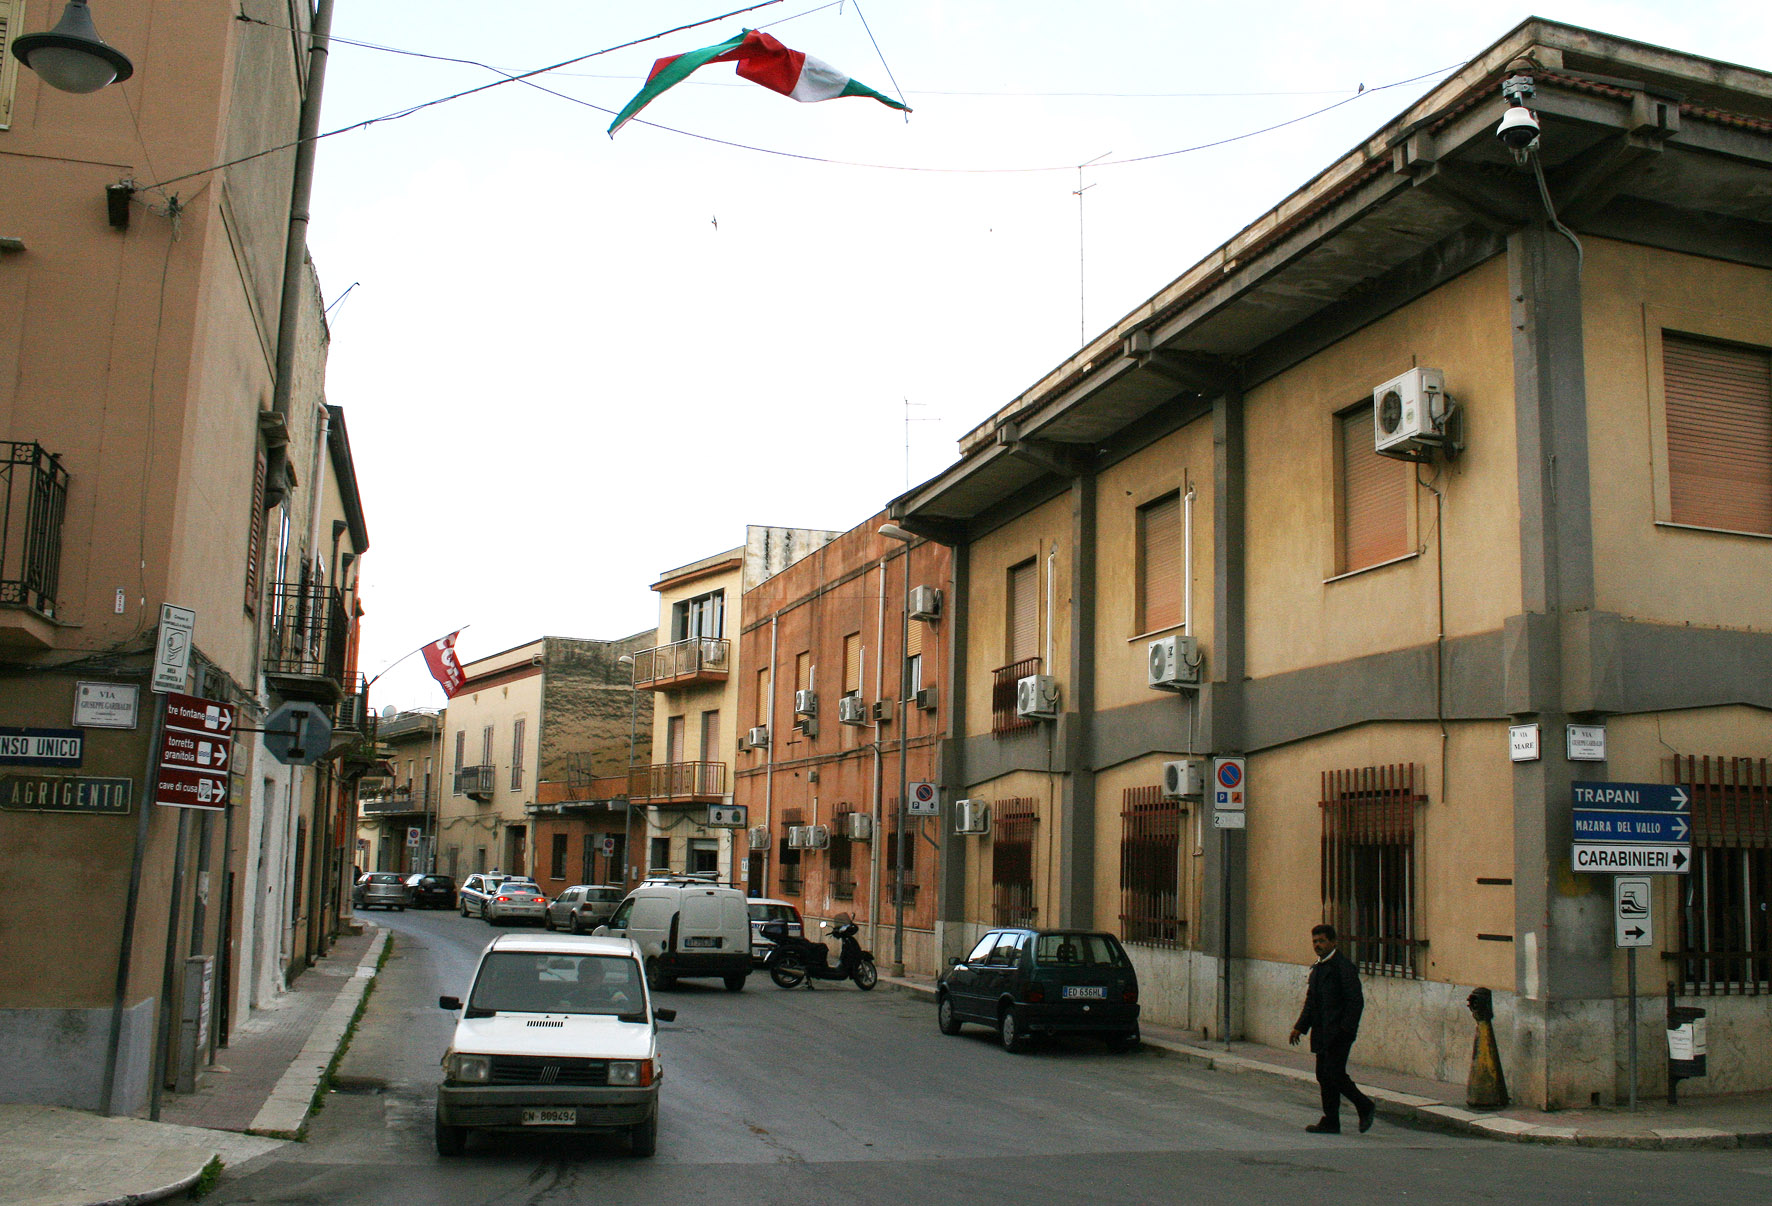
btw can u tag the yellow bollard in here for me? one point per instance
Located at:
(1487, 1087)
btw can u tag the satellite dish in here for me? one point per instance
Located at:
(389, 712)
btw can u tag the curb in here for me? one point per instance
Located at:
(156, 1195)
(287, 1109)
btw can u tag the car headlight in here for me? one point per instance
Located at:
(468, 1069)
(632, 1073)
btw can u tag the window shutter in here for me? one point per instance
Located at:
(255, 532)
(8, 64)
(913, 639)
(1374, 497)
(710, 736)
(802, 672)
(1719, 434)
(852, 663)
(1024, 611)
(1159, 560)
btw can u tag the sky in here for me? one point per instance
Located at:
(569, 363)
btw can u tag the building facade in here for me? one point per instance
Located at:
(1434, 505)
(397, 802)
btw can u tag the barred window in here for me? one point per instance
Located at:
(1725, 933)
(1369, 865)
(1012, 863)
(1150, 868)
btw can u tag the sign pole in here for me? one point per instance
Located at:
(1630, 955)
(126, 947)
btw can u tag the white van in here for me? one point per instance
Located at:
(686, 927)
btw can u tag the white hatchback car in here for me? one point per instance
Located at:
(558, 1033)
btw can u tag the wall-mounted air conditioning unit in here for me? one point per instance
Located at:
(758, 738)
(851, 709)
(883, 710)
(797, 836)
(1172, 663)
(972, 816)
(805, 703)
(925, 603)
(859, 827)
(928, 698)
(818, 837)
(760, 837)
(1409, 412)
(1184, 779)
(1036, 697)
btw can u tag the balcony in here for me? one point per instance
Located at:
(475, 781)
(389, 801)
(305, 643)
(678, 783)
(1004, 716)
(33, 499)
(682, 664)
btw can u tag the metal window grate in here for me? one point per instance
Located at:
(1150, 868)
(1369, 865)
(33, 500)
(1012, 863)
(1004, 718)
(1724, 931)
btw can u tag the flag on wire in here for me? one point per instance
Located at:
(762, 60)
(440, 658)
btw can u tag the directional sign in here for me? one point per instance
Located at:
(40, 747)
(196, 748)
(1659, 828)
(190, 789)
(1632, 923)
(1594, 858)
(1644, 827)
(187, 750)
(1631, 797)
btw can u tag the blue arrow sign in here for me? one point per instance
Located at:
(1630, 797)
(1659, 828)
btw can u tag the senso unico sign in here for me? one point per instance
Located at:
(40, 747)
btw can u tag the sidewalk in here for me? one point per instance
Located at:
(253, 1099)
(1727, 1121)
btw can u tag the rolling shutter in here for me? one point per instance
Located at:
(1719, 434)
(1374, 498)
(1159, 561)
(1024, 611)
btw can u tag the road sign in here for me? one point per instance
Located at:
(413, 833)
(172, 652)
(726, 816)
(41, 747)
(1228, 791)
(1522, 742)
(64, 793)
(1662, 828)
(922, 800)
(1585, 742)
(1631, 797)
(1632, 924)
(106, 705)
(298, 734)
(1595, 858)
(196, 751)
(1643, 827)
(190, 789)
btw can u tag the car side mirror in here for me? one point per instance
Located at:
(448, 1002)
(665, 1015)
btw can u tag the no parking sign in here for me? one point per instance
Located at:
(1227, 784)
(921, 800)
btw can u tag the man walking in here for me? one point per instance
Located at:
(1331, 1016)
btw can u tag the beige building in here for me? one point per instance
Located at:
(164, 440)
(1435, 505)
(397, 801)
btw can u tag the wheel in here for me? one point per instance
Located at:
(945, 1016)
(786, 971)
(865, 975)
(1015, 1039)
(399, 908)
(735, 983)
(655, 977)
(547, 920)
(451, 1140)
(464, 908)
(1119, 1043)
(643, 1137)
(575, 925)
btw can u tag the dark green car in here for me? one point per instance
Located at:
(1027, 982)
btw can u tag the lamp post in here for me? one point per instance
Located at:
(72, 57)
(627, 827)
(893, 532)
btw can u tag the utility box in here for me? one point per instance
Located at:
(193, 1035)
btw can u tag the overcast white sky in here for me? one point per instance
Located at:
(561, 377)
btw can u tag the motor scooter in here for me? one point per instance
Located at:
(797, 961)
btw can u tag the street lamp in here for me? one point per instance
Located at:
(72, 57)
(627, 826)
(893, 532)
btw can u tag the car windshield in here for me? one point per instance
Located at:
(773, 912)
(385, 879)
(1082, 950)
(604, 895)
(537, 982)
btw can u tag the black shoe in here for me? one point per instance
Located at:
(1323, 1128)
(1366, 1118)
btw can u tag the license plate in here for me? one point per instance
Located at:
(560, 1117)
(1093, 992)
(700, 943)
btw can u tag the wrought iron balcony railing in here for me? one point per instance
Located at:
(33, 500)
(683, 663)
(305, 643)
(475, 781)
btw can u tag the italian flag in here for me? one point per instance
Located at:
(762, 60)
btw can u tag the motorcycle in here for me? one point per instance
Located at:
(796, 961)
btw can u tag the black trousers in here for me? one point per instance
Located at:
(1333, 1080)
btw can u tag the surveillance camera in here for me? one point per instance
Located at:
(1518, 129)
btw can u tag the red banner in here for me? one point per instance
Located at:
(440, 657)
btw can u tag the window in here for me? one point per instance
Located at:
(517, 734)
(913, 653)
(839, 857)
(255, 534)
(557, 864)
(661, 853)
(427, 795)
(788, 860)
(674, 727)
(710, 735)
(803, 671)
(1150, 867)
(584, 871)
(1725, 933)
(852, 664)
(486, 746)
(10, 14)
(986, 945)
(702, 616)
(1373, 494)
(1159, 564)
(1023, 612)
(461, 740)
(704, 856)
(762, 712)
(1012, 863)
(890, 870)
(1369, 865)
(1719, 433)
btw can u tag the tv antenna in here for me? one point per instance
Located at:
(1082, 322)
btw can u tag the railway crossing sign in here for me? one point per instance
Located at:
(1632, 924)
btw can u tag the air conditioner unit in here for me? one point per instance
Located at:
(972, 816)
(760, 838)
(852, 709)
(925, 603)
(1036, 697)
(1184, 779)
(859, 826)
(1172, 662)
(797, 836)
(758, 738)
(928, 698)
(350, 713)
(883, 710)
(1409, 412)
(818, 837)
(805, 703)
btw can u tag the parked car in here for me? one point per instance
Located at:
(516, 902)
(559, 1034)
(379, 890)
(430, 891)
(583, 907)
(764, 910)
(476, 890)
(685, 926)
(1027, 982)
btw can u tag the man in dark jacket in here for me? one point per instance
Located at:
(1331, 1016)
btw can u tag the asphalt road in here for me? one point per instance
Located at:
(839, 1095)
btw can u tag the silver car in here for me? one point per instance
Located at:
(516, 902)
(583, 907)
(380, 890)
